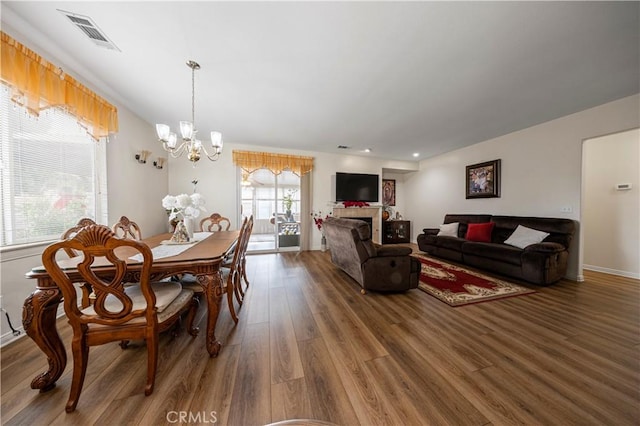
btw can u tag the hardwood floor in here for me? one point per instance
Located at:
(309, 345)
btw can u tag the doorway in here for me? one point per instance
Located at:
(610, 203)
(274, 202)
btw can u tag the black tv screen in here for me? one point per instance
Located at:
(356, 187)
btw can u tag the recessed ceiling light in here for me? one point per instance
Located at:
(367, 150)
(416, 154)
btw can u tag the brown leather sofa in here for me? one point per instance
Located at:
(374, 267)
(542, 263)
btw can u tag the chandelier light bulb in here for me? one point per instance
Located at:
(216, 140)
(163, 132)
(186, 130)
(172, 140)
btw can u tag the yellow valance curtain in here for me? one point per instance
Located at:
(251, 161)
(38, 84)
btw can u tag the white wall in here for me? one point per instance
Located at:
(218, 181)
(611, 218)
(136, 190)
(541, 172)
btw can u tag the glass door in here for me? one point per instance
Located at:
(274, 201)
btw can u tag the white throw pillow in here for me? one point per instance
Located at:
(449, 230)
(523, 237)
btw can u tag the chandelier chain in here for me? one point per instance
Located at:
(193, 96)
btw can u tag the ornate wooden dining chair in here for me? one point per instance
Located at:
(215, 220)
(232, 271)
(86, 288)
(126, 228)
(235, 267)
(242, 263)
(118, 313)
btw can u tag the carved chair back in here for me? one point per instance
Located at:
(126, 228)
(215, 220)
(85, 221)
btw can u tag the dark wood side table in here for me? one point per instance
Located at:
(396, 231)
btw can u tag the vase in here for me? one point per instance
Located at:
(180, 234)
(323, 244)
(189, 224)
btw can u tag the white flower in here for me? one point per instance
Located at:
(197, 200)
(183, 204)
(183, 201)
(169, 202)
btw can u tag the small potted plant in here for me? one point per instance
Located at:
(287, 203)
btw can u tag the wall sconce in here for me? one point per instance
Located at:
(159, 163)
(141, 157)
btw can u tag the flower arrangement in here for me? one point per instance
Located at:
(319, 220)
(355, 203)
(183, 205)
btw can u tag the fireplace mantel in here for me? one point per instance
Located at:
(374, 212)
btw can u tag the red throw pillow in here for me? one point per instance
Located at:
(480, 232)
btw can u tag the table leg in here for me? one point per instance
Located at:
(39, 321)
(212, 285)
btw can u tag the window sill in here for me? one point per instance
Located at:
(19, 251)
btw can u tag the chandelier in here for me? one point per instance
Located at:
(190, 144)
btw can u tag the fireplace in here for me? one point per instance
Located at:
(369, 221)
(370, 214)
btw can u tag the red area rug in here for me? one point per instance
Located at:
(457, 286)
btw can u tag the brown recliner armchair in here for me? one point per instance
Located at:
(374, 267)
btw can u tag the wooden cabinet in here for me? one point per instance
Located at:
(396, 231)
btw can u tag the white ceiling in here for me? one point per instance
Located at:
(396, 77)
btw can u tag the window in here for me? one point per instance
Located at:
(52, 173)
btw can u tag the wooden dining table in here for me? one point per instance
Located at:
(202, 259)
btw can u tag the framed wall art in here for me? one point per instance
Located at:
(389, 192)
(483, 180)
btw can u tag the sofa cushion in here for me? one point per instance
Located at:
(451, 243)
(480, 232)
(449, 229)
(501, 252)
(464, 219)
(523, 237)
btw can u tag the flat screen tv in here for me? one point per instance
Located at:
(357, 187)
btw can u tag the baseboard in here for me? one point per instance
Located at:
(9, 337)
(625, 274)
(576, 278)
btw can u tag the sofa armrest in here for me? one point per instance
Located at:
(385, 251)
(546, 248)
(431, 231)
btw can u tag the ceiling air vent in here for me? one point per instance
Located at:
(343, 147)
(90, 29)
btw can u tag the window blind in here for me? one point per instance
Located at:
(48, 173)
